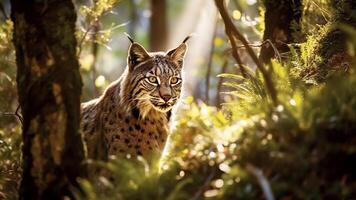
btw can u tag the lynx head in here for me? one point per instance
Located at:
(153, 79)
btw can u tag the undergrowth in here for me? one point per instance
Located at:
(304, 147)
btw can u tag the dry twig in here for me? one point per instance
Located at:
(262, 180)
(94, 52)
(206, 184)
(276, 52)
(235, 53)
(81, 41)
(15, 114)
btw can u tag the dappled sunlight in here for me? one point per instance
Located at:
(259, 102)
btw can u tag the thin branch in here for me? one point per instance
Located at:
(95, 49)
(202, 188)
(18, 115)
(220, 83)
(235, 53)
(210, 62)
(15, 114)
(323, 12)
(276, 52)
(80, 44)
(262, 180)
(251, 45)
(7, 113)
(231, 27)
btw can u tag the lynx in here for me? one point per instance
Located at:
(132, 115)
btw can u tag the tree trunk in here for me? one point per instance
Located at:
(158, 25)
(49, 86)
(282, 24)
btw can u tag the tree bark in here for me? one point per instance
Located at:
(49, 86)
(282, 24)
(158, 25)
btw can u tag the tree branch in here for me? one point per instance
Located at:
(15, 114)
(80, 43)
(206, 184)
(276, 52)
(262, 180)
(94, 51)
(229, 26)
(235, 53)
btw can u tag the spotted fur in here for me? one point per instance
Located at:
(132, 115)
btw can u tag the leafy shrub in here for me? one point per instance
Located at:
(303, 147)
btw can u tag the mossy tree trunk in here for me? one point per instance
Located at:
(282, 26)
(330, 52)
(49, 87)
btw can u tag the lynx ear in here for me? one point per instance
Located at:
(136, 55)
(177, 54)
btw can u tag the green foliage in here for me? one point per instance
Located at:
(304, 146)
(315, 13)
(326, 49)
(10, 162)
(91, 36)
(92, 15)
(10, 139)
(98, 9)
(7, 67)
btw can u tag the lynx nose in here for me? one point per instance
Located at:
(166, 97)
(165, 94)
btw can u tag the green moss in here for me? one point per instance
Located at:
(320, 61)
(325, 50)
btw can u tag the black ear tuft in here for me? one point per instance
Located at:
(187, 38)
(129, 37)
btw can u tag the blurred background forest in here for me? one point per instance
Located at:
(280, 127)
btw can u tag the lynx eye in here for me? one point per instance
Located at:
(174, 80)
(153, 79)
